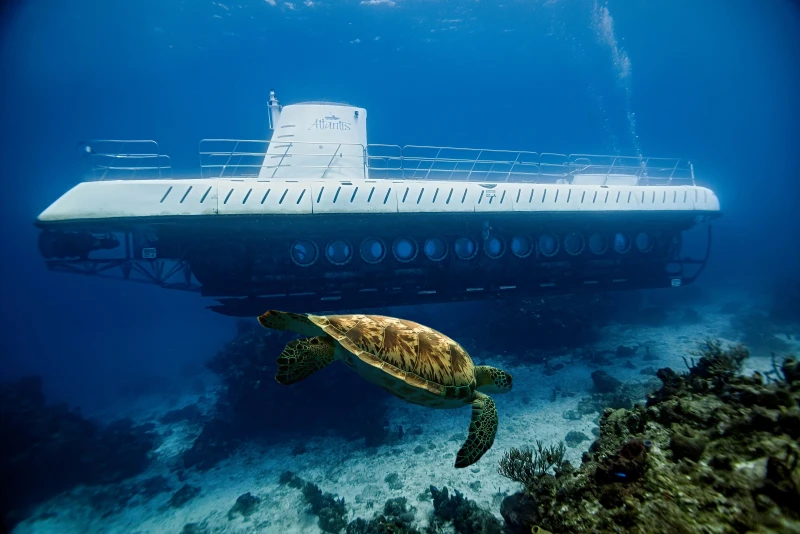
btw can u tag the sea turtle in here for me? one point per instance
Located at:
(412, 361)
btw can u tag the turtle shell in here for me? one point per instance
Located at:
(410, 352)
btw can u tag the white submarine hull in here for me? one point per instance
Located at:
(316, 219)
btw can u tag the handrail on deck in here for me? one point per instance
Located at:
(247, 158)
(117, 159)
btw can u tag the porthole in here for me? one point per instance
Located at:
(338, 252)
(574, 244)
(548, 244)
(644, 242)
(303, 253)
(622, 243)
(435, 248)
(404, 249)
(598, 244)
(521, 246)
(372, 250)
(465, 248)
(494, 247)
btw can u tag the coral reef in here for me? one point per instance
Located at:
(464, 515)
(529, 467)
(45, 450)
(330, 510)
(712, 451)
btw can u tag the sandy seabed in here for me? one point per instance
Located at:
(423, 457)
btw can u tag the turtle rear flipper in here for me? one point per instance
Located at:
(482, 429)
(302, 357)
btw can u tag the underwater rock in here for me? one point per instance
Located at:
(744, 473)
(393, 481)
(466, 516)
(604, 383)
(628, 464)
(48, 449)
(195, 528)
(573, 438)
(330, 511)
(184, 495)
(791, 372)
(519, 512)
(245, 506)
(683, 446)
(395, 519)
(551, 368)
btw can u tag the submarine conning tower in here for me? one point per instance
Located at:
(315, 140)
(313, 218)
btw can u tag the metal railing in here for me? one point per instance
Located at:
(120, 159)
(252, 158)
(476, 164)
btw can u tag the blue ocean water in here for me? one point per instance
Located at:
(715, 82)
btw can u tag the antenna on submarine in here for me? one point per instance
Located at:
(274, 109)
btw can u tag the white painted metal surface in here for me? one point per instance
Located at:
(318, 161)
(220, 197)
(329, 138)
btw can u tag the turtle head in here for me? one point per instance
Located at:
(492, 380)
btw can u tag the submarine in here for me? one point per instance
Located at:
(317, 219)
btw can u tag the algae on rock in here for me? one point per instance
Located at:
(711, 451)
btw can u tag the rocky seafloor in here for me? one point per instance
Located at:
(659, 436)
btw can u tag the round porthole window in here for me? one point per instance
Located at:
(494, 247)
(435, 248)
(465, 248)
(521, 246)
(644, 242)
(548, 244)
(372, 250)
(338, 252)
(574, 244)
(404, 249)
(304, 253)
(598, 243)
(622, 243)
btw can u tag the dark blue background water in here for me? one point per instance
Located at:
(713, 81)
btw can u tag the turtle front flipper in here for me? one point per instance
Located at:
(302, 357)
(482, 430)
